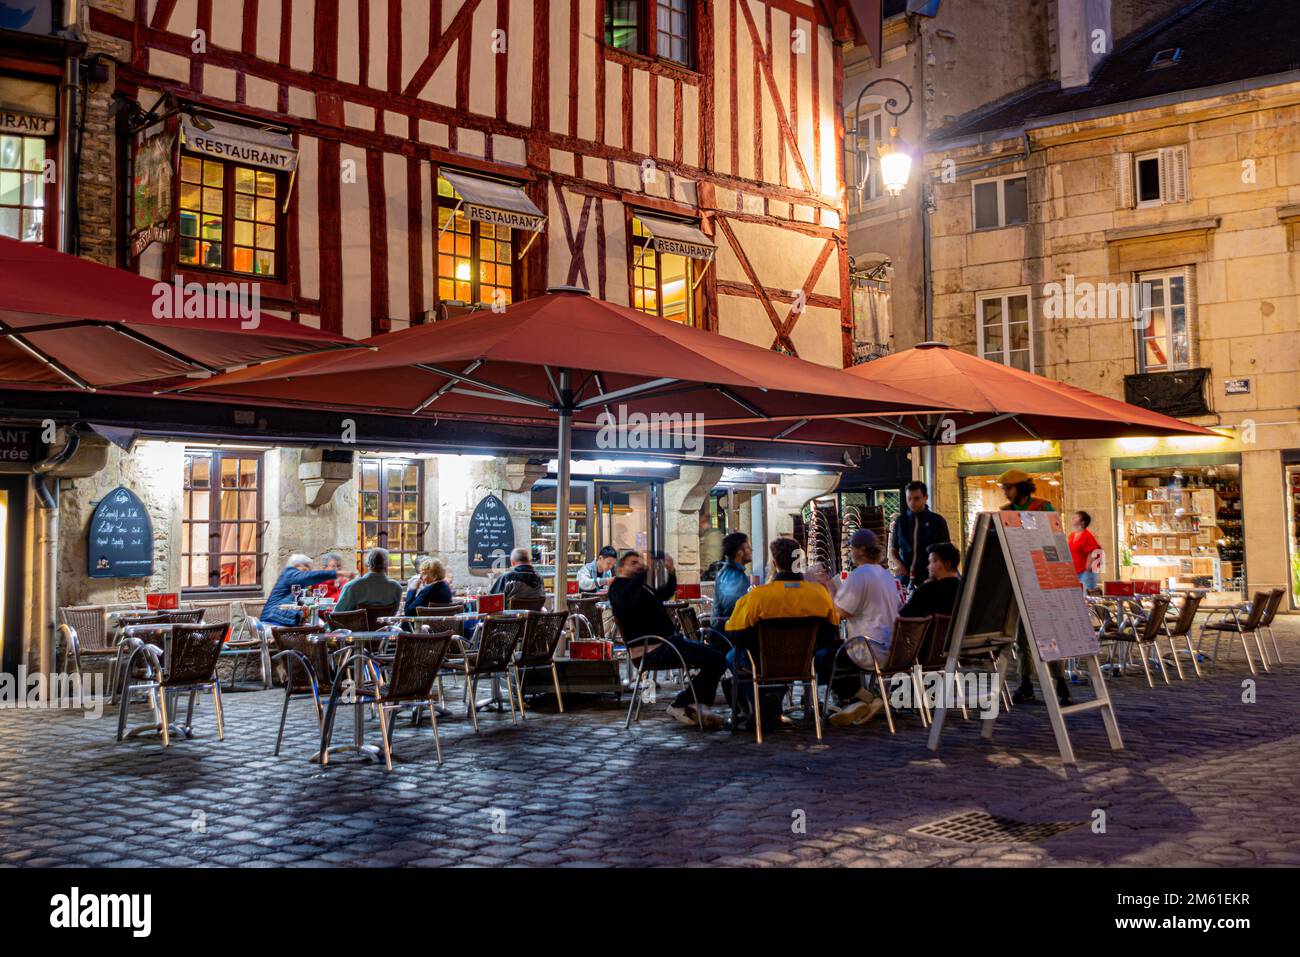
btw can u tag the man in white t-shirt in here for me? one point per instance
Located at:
(868, 601)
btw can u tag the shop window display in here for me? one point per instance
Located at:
(1182, 526)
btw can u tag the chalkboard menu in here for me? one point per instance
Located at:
(491, 534)
(120, 540)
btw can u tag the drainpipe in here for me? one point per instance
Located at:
(67, 181)
(928, 454)
(47, 547)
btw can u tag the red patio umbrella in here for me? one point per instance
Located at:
(66, 320)
(564, 358)
(998, 403)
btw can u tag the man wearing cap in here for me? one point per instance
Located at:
(915, 529)
(868, 602)
(1019, 489)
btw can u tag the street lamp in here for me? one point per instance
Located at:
(894, 158)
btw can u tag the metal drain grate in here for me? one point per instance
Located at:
(979, 827)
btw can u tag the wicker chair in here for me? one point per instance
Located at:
(493, 655)
(441, 611)
(1140, 629)
(182, 658)
(542, 633)
(1266, 621)
(905, 644)
(1242, 621)
(525, 604)
(188, 616)
(85, 636)
(416, 664)
(249, 637)
(355, 620)
(785, 657)
(307, 665)
(585, 612)
(1180, 626)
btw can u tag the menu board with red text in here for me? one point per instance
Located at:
(1053, 602)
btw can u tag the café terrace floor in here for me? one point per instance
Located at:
(1206, 780)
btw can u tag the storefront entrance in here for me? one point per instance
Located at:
(1180, 523)
(1291, 460)
(980, 491)
(624, 513)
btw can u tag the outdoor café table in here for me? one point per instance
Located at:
(353, 666)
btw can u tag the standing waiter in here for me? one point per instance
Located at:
(915, 529)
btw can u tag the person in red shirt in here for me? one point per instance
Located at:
(330, 590)
(1085, 550)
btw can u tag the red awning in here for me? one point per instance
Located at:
(68, 321)
(505, 364)
(998, 404)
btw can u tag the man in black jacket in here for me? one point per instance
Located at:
(639, 611)
(522, 581)
(915, 529)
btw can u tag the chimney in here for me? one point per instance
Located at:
(1083, 39)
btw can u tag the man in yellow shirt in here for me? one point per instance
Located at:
(788, 595)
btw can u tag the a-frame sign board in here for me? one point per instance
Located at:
(1019, 577)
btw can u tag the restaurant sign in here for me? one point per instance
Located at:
(243, 144)
(152, 192)
(491, 534)
(20, 447)
(120, 540)
(26, 124)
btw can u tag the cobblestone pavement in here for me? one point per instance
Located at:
(1205, 780)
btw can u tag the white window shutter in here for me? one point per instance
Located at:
(1173, 174)
(1124, 180)
(1193, 321)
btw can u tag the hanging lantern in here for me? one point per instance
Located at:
(895, 163)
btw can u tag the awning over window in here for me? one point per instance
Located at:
(675, 236)
(240, 144)
(492, 201)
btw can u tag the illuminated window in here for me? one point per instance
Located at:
(389, 512)
(475, 260)
(662, 283)
(221, 527)
(623, 24)
(230, 217)
(22, 188)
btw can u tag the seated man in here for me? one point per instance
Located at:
(639, 611)
(594, 575)
(521, 581)
(869, 601)
(938, 594)
(297, 572)
(732, 580)
(788, 595)
(374, 588)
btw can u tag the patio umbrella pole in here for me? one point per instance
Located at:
(562, 491)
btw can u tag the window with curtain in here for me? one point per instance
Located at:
(221, 527)
(230, 217)
(1164, 323)
(861, 166)
(475, 260)
(390, 511)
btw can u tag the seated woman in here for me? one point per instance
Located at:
(432, 588)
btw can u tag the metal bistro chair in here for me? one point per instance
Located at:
(785, 658)
(1180, 626)
(525, 604)
(182, 658)
(417, 660)
(1241, 620)
(542, 633)
(646, 644)
(85, 636)
(585, 612)
(1266, 621)
(905, 644)
(1141, 629)
(493, 655)
(307, 664)
(249, 638)
(355, 620)
(188, 616)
